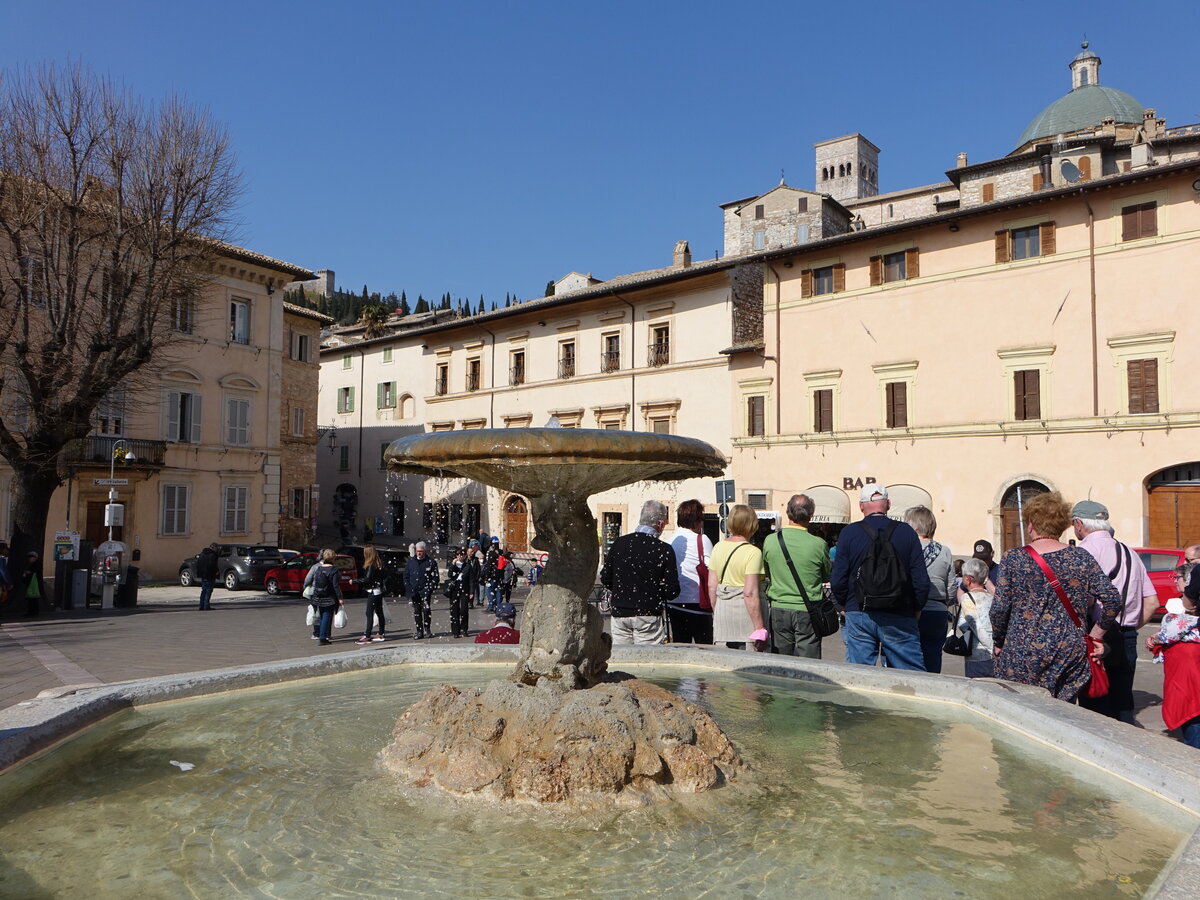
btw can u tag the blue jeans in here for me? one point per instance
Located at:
(206, 589)
(495, 594)
(932, 627)
(867, 633)
(1191, 733)
(325, 625)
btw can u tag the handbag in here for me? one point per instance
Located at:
(339, 618)
(704, 596)
(311, 617)
(1098, 686)
(823, 614)
(959, 642)
(309, 591)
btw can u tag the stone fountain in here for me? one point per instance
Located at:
(561, 728)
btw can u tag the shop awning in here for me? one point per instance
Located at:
(833, 505)
(904, 497)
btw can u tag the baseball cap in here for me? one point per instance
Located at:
(495, 539)
(505, 611)
(982, 546)
(1089, 509)
(872, 492)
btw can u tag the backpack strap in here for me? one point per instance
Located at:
(729, 559)
(792, 566)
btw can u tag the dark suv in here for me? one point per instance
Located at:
(238, 565)
(394, 559)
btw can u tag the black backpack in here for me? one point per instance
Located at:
(882, 576)
(323, 585)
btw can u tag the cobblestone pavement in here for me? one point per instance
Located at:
(167, 635)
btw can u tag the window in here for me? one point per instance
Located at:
(1025, 244)
(759, 212)
(756, 500)
(110, 415)
(610, 359)
(473, 368)
(660, 346)
(174, 509)
(347, 361)
(823, 280)
(239, 321)
(898, 266)
(236, 498)
(756, 415)
(891, 210)
(237, 422)
(516, 371)
(441, 379)
(345, 400)
(1027, 394)
(456, 517)
(760, 240)
(1142, 375)
(386, 355)
(183, 417)
(661, 425)
(344, 458)
(385, 395)
(300, 345)
(802, 204)
(297, 421)
(426, 516)
(823, 409)
(1028, 242)
(183, 316)
(566, 359)
(801, 234)
(988, 192)
(473, 518)
(383, 453)
(441, 523)
(298, 502)
(1140, 221)
(397, 511)
(896, 400)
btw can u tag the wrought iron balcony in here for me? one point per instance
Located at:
(658, 354)
(472, 381)
(610, 361)
(97, 450)
(566, 367)
(441, 387)
(516, 375)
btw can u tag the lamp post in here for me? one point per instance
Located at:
(109, 573)
(127, 456)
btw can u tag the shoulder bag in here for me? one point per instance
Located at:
(823, 613)
(959, 642)
(1098, 686)
(704, 596)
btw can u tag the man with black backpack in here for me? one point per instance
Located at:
(879, 577)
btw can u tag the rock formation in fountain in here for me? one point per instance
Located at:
(538, 737)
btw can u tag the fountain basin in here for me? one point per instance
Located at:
(336, 758)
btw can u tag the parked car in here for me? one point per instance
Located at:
(238, 565)
(288, 578)
(1160, 564)
(394, 560)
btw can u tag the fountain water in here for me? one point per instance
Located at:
(536, 738)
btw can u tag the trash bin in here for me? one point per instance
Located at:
(127, 592)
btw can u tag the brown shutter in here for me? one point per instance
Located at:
(876, 270)
(806, 283)
(756, 418)
(1001, 246)
(1047, 238)
(1137, 394)
(989, 192)
(1027, 397)
(1150, 385)
(1129, 223)
(912, 267)
(897, 404)
(823, 410)
(1149, 220)
(1037, 181)
(839, 277)
(1085, 168)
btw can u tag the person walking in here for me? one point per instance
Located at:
(738, 615)
(1038, 632)
(939, 566)
(5, 581)
(793, 549)
(459, 590)
(372, 580)
(33, 587)
(1177, 646)
(693, 550)
(640, 572)
(206, 571)
(879, 578)
(512, 572)
(326, 593)
(492, 574)
(473, 582)
(420, 578)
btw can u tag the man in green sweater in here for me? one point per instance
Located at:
(791, 629)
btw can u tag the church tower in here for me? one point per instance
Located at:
(847, 168)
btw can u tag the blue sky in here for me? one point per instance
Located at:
(478, 147)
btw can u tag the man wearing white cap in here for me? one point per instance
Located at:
(879, 577)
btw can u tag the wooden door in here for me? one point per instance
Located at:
(1175, 516)
(516, 524)
(95, 530)
(1011, 530)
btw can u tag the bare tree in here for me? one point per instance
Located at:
(111, 211)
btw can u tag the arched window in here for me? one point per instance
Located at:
(891, 211)
(824, 173)
(849, 168)
(407, 406)
(841, 170)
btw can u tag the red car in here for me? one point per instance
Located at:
(289, 578)
(1160, 564)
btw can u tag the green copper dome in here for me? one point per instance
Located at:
(1084, 107)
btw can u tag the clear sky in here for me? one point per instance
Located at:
(486, 147)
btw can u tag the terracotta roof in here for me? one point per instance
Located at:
(250, 256)
(307, 313)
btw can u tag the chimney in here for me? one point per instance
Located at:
(962, 161)
(682, 257)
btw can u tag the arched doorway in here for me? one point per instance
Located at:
(516, 523)
(1012, 532)
(1174, 506)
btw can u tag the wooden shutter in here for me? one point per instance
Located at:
(823, 410)
(839, 277)
(1129, 223)
(1148, 225)
(172, 416)
(1037, 181)
(1002, 255)
(1085, 168)
(876, 270)
(1139, 221)
(1143, 385)
(897, 404)
(350, 401)
(912, 267)
(194, 435)
(1047, 239)
(806, 283)
(756, 408)
(989, 192)
(1027, 385)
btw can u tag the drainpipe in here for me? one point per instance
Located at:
(1092, 285)
(362, 401)
(632, 365)
(778, 353)
(491, 381)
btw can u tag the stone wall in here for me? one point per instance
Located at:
(746, 295)
(298, 466)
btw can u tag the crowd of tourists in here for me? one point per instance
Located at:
(1064, 616)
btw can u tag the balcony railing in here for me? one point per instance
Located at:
(610, 361)
(98, 450)
(441, 387)
(472, 381)
(516, 375)
(566, 367)
(658, 354)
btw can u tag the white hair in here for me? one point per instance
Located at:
(421, 545)
(1090, 525)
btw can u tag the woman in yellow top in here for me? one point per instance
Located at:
(733, 576)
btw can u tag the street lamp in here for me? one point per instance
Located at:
(126, 455)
